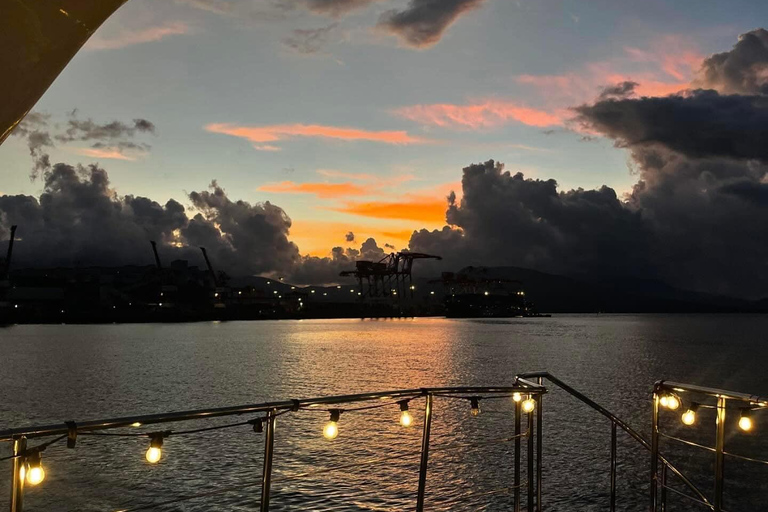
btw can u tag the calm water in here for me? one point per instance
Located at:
(56, 373)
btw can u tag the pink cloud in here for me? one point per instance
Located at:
(667, 67)
(674, 55)
(483, 114)
(110, 153)
(132, 37)
(274, 133)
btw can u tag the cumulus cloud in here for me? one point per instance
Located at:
(79, 220)
(423, 22)
(349, 237)
(742, 70)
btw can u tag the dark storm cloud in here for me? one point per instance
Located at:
(350, 237)
(504, 218)
(112, 134)
(699, 124)
(309, 41)
(620, 90)
(79, 220)
(742, 70)
(422, 23)
(696, 218)
(40, 134)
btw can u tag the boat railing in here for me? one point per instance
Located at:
(668, 395)
(27, 466)
(526, 394)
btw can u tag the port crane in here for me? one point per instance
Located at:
(391, 276)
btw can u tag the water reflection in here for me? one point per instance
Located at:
(85, 372)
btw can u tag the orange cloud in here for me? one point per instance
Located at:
(273, 133)
(485, 114)
(321, 190)
(422, 209)
(130, 38)
(110, 153)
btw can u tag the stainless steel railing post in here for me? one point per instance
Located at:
(269, 443)
(539, 449)
(517, 455)
(720, 453)
(530, 462)
(17, 479)
(654, 450)
(424, 453)
(613, 466)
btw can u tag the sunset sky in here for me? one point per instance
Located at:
(351, 124)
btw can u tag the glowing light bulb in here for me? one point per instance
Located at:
(664, 401)
(529, 404)
(517, 397)
(154, 455)
(331, 430)
(474, 406)
(688, 417)
(745, 421)
(406, 419)
(155, 451)
(35, 475)
(34, 470)
(673, 402)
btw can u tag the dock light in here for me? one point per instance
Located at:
(331, 429)
(485, 293)
(529, 404)
(406, 419)
(431, 293)
(474, 403)
(155, 451)
(34, 470)
(689, 416)
(745, 421)
(517, 396)
(413, 287)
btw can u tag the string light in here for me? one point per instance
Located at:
(517, 396)
(689, 416)
(406, 419)
(34, 468)
(155, 451)
(331, 429)
(745, 421)
(671, 402)
(529, 404)
(474, 404)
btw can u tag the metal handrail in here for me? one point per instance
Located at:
(22, 453)
(661, 388)
(149, 419)
(616, 421)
